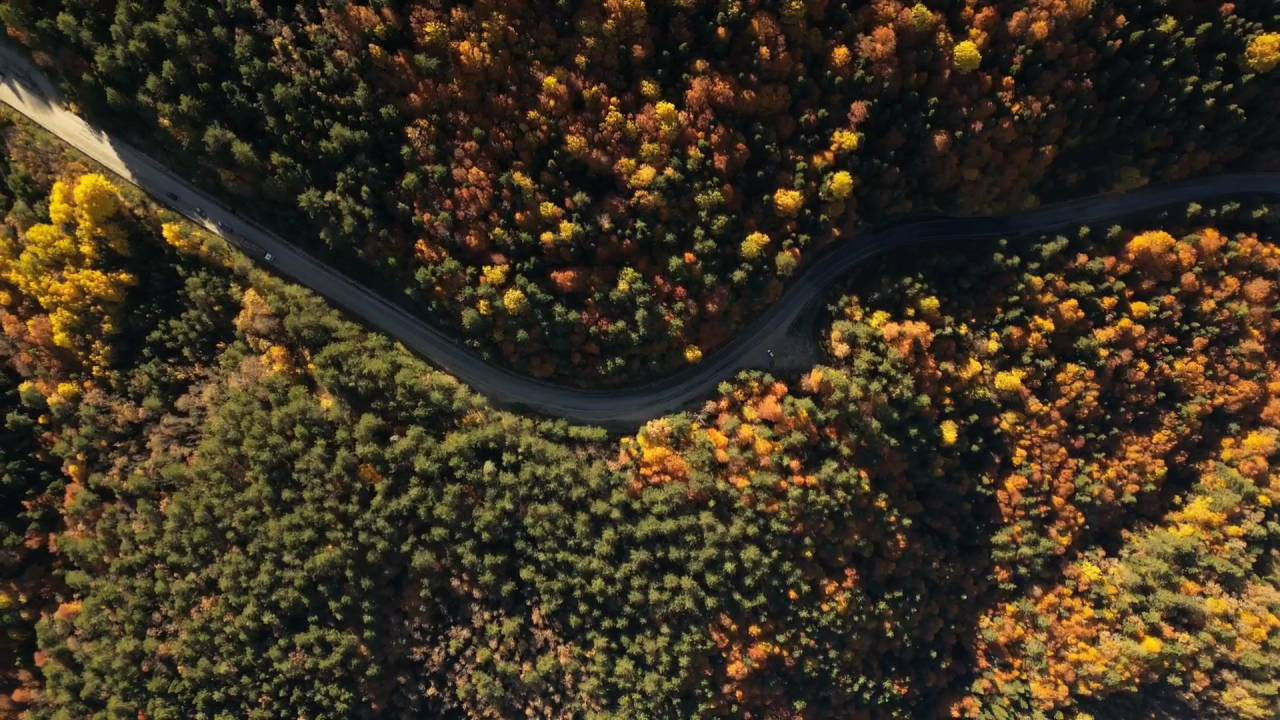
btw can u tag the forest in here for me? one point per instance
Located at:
(1031, 479)
(601, 191)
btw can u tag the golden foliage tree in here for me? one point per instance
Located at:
(71, 268)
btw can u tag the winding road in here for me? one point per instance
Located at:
(787, 329)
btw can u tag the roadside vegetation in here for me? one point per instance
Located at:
(1034, 479)
(600, 191)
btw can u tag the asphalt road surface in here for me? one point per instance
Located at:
(783, 338)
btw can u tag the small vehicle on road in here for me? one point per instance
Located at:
(171, 196)
(268, 257)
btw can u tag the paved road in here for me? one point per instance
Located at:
(787, 328)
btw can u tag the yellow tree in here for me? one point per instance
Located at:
(69, 266)
(1263, 53)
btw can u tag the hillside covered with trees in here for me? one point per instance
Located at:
(602, 190)
(1035, 479)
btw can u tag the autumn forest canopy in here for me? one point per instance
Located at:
(1032, 477)
(598, 191)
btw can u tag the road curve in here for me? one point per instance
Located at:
(783, 337)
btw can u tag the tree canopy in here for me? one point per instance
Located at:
(1031, 479)
(647, 174)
